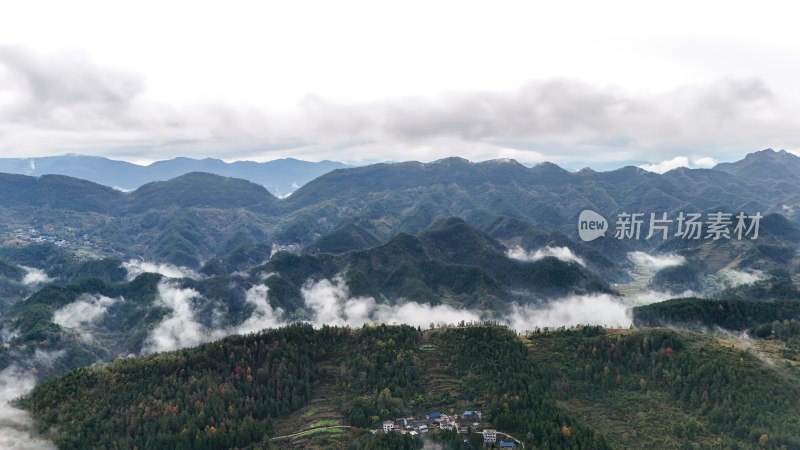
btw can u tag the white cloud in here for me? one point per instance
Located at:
(81, 314)
(650, 296)
(329, 303)
(704, 162)
(575, 310)
(47, 358)
(180, 327)
(17, 430)
(6, 333)
(136, 267)
(423, 314)
(733, 277)
(35, 276)
(600, 309)
(263, 316)
(562, 253)
(666, 166)
(332, 305)
(62, 102)
(655, 262)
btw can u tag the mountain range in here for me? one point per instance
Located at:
(91, 274)
(280, 176)
(209, 215)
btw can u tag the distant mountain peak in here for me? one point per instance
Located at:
(768, 153)
(501, 161)
(199, 189)
(549, 171)
(452, 160)
(547, 165)
(766, 164)
(281, 176)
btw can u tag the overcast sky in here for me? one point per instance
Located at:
(576, 83)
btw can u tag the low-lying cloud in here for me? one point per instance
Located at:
(83, 313)
(180, 328)
(602, 309)
(331, 304)
(17, 429)
(34, 276)
(43, 358)
(655, 262)
(263, 316)
(734, 278)
(703, 162)
(328, 302)
(562, 253)
(136, 267)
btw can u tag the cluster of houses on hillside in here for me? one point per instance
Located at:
(469, 421)
(67, 238)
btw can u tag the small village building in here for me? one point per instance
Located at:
(433, 415)
(507, 444)
(472, 413)
(388, 426)
(489, 436)
(423, 428)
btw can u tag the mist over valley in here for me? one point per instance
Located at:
(96, 279)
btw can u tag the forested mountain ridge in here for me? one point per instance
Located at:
(579, 388)
(280, 176)
(450, 260)
(765, 166)
(194, 217)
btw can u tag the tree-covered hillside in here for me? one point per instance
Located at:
(579, 388)
(450, 262)
(192, 218)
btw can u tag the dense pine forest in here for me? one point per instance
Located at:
(579, 388)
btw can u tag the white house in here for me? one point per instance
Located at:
(388, 426)
(489, 436)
